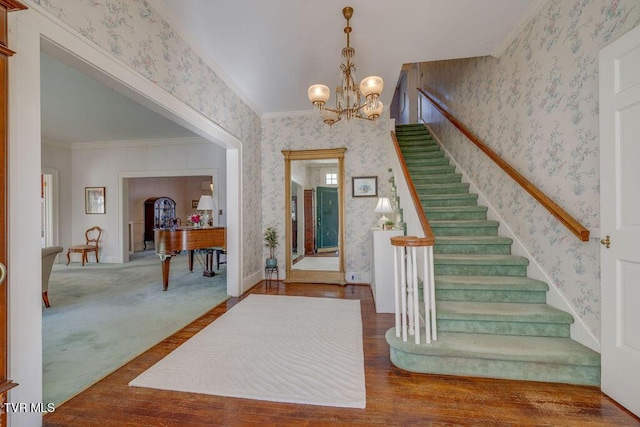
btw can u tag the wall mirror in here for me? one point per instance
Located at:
(314, 215)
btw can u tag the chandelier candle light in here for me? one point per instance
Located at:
(348, 96)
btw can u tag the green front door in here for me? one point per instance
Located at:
(327, 217)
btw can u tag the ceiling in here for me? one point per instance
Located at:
(270, 52)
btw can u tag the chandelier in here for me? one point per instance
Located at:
(351, 101)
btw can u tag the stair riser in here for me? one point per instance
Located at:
(503, 249)
(483, 295)
(418, 156)
(504, 328)
(406, 141)
(438, 179)
(428, 162)
(479, 270)
(428, 189)
(450, 216)
(464, 231)
(436, 202)
(488, 368)
(412, 149)
(417, 171)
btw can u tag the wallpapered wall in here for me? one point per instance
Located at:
(537, 106)
(136, 35)
(367, 155)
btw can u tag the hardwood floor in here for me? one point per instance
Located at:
(394, 397)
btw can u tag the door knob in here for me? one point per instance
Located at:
(606, 241)
(3, 273)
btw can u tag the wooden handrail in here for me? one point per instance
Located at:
(424, 222)
(561, 215)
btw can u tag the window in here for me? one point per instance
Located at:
(331, 178)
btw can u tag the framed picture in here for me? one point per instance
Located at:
(194, 204)
(94, 201)
(365, 186)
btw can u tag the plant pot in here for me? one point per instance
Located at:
(271, 262)
(388, 227)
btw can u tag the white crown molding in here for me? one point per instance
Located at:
(140, 143)
(58, 144)
(189, 39)
(284, 114)
(533, 10)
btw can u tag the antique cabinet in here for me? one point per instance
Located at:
(159, 212)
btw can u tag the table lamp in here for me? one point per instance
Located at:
(383, 207)
(206, 204)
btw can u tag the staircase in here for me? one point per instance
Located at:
(492, 319)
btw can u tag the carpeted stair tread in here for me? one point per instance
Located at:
(443, 213)
(556, 350)
(416, 170)
(479, 259)
(441, 178)
(464, 223)
(501, 312)
(472, 244)
(473, 240)
(417, 156)
(446, 188)
(490, 283)
(419, 148)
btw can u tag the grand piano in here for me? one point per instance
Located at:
(169, 243)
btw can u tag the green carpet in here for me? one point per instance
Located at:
(104, 315)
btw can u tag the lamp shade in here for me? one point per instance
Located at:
(205, 203)
(318, 94)
(374, 110)
(371, 85)
(384, 206)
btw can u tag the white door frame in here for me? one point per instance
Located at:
(30, 32)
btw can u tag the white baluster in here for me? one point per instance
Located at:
(415, 295)
(410, 290)
(426, 291)
(432, 292)
(396, 287)
(403, 292)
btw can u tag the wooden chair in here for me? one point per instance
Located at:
(92, 237)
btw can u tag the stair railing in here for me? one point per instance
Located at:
(561, 215)
(410, 270)
(406, 290)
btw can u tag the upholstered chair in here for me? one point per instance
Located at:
(48, 257)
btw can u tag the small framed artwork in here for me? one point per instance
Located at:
(365, 186)
(94, 200)
(194, 204)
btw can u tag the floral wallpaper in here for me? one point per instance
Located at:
(537, 106)
(132, 32)
(367, 155)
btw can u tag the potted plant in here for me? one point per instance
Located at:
(388, 225)
(271, 241)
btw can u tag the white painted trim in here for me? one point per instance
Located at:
(55, 203)
(140, 143)
(197, 48)
(579, 331)
(533, 10)
(285, 114)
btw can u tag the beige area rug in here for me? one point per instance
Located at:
(272, 347)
